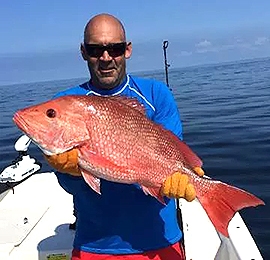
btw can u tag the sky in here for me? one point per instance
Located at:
(40, 39)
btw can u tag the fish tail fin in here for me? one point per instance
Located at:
(222, 201)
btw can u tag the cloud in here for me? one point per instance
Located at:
(204, 44)
(236, 43)
(262, 40)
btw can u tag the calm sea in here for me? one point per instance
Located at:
(225, 111)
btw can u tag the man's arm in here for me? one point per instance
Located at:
(167, 113)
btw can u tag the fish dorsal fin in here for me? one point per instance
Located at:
(130, 101)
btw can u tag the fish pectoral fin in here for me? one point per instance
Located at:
(91, 180)
(155, 192)
(98, 161)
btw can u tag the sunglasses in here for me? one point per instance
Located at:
(113, 49)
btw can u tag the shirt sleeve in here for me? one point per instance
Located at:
(167, 113)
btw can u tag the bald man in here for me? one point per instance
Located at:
(107, 71)
(122, 222)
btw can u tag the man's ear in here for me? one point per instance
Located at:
(128, 51)
(83, 52)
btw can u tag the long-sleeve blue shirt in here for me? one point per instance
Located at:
(123, 220)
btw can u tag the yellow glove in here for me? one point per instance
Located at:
(178, 186)
(65, 162)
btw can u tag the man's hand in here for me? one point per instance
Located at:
(178, 186)
(65, 162)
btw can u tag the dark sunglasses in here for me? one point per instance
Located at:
(113, 49)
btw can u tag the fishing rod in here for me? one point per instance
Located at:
(165, 46)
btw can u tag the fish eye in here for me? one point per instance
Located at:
(51, 113)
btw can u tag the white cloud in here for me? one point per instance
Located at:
(204, 44)
(262, 40)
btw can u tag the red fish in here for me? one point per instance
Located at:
(117, 142)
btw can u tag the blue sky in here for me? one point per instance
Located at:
(40, 39)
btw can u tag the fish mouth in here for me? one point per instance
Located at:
(24, 127)
(20, 122)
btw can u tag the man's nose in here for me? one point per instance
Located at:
(106, 56)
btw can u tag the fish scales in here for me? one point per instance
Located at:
(117, 142)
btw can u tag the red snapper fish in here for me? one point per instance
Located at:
(117, 142)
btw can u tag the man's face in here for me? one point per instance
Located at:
(106, 52)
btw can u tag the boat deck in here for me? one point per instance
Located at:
(34, 225)
(34, 220)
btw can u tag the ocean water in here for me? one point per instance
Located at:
(225, 110)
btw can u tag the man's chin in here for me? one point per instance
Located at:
(108, 81)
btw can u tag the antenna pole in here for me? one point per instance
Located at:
(165, 46)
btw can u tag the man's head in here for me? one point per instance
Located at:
(105, 49)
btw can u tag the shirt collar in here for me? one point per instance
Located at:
(108, 92)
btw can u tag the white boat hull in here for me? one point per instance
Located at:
(203, 242)
(34, 225)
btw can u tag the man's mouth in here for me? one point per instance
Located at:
(106, 70)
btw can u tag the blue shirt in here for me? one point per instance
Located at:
(123, 220)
